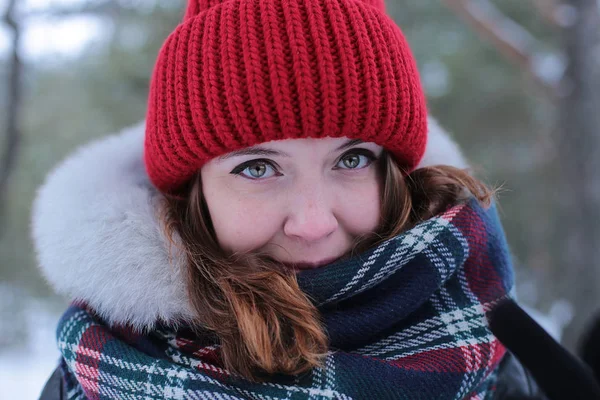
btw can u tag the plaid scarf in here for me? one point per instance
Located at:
(406, 320)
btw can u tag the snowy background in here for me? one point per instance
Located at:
(28, 362)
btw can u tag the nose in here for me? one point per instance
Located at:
(311, 216)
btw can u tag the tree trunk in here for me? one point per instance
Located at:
(578, 189)
(11, 142)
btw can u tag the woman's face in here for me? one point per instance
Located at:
(299, 201)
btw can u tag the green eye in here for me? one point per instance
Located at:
(355, 160)
(351, 161)
(256, 169)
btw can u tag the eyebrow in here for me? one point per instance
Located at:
(259, 151)
(253, 151)
(349, 144)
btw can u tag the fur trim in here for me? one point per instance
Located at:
(441, 149)
(98, 240)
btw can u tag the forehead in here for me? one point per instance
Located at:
(309, 143)
(290, 147)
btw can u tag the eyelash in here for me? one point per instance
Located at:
(358, 151)
(371, 157)
(242, 167)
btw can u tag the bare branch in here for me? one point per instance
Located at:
(510, 38)
(548, 10)
(108, 8)
(9, 156)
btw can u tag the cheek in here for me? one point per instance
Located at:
(362, 214)
(241, 224)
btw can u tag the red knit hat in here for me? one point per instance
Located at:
(236, 73)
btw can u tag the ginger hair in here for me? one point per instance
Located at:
(264, 322)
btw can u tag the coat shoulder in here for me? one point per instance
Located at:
(515, 382)
(54, 388)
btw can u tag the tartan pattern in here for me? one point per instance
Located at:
(406, 320)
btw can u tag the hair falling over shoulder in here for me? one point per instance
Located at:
(264, 322)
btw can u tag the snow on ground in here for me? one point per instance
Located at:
(25, 369)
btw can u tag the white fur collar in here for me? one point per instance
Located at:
(98, 240)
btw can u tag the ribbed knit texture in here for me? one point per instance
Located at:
(237, 73)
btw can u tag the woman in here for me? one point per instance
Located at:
(278, 237)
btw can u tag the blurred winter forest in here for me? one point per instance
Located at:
(517, 82)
